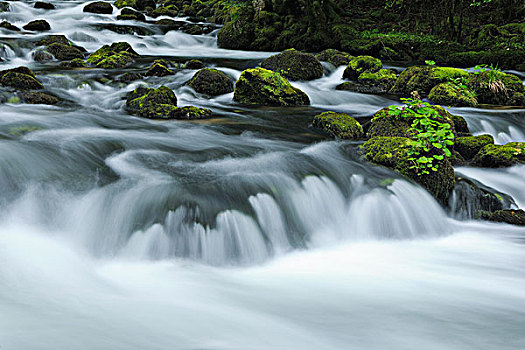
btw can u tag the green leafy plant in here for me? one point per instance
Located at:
(431, 138)
(430, 63)
(460, 84)
(493, 75)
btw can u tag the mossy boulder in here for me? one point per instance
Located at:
(393, 152)
(294, 65)
(42, 56)
(509, 216)
(495, 87)
(44, 5)
(51, 39)
(116, 55)
(34, 97)
(371, 82)
(361, 64)
(130, 14)
(211, 82)
(75, 63)
(100, 7)
(335, 57)
(9, 26)
(194, 64)
(64, 52)
(21, 78)
(339, 125)
(450, 94)
(497, 156)
(190, 113)
(159, 69)
(38, 25)
(265, 87)
(423, 79)
(469, 146)
(238, 34)
(140, 5)
(170, 11)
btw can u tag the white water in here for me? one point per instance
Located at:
(122, 233)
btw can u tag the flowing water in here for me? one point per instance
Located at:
(247, 231)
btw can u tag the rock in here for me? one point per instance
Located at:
(210, 81)
(140, 5)
(469, 146)
(339, 125)
(170, 11)
(238, 34)
(129, 14)
(159, 69)
(423, 79)
(128, 77)
(190, 113)
(361, 64)
(4, 6)
(118, 55)
(496, 87)
(384, 123)
(294, 65)
(335, 57)
(354, 86)
(74, 63)
(21, 78)
(262, 86)
(460, 125)
(100, 7)
(510, 216)
(450, 94)
(51, 39)
(44, 5)
(497, 156)
(42, 56)
(64, 52)
(194, 64)
(393, 152)
(39, 98)
(39, 25)
(382, 80)
(9, 26)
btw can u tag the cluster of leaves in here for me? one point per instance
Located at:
(493, 75)
(431, 138)
(460, 84)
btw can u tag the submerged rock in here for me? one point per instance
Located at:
(211, 82)
(21, 78)
(510, 216)
(294, 65)
(38, 25)
(265, 87)
(339, 125)
(100, 7)
(497, 156)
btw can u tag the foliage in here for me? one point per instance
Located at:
(429, 134)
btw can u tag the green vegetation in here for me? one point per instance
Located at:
(339, 125)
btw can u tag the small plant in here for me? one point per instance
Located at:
(493, 75)
(430, 63)
(460, 85)
(429, 134)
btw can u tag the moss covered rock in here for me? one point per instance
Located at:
(38, 25)
(130, 14)
(39, 98)
(51, 39)
(9, 26)
(116, 55)
(295, 65)
(375, 83)
(159, 69)
(393, 152)
(423, 79)
(211, 82)
(495, 87)
(239, 33)
(469, 146)
(170, 11)
(335, 57)
(64, 52)
(190, 113)
(509, 216)
(194, 64)
(75, 63)
(140, 5)
(450, 94)
(99, 7)
(265, 87)
(361, 64)
(339, 125)
(496, 156)
(21, 78)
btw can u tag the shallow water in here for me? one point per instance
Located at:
(248, 231)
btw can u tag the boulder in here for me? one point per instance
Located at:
(339, 125)
(379, 82)
(43, 98)
(74, 63)
(211, 82)
(159, 68)
(194, 64)
(509, 216)
(423, 79)
(393, 152)
(100, 7)
(9, 26)
(38, 25)
(265, 87)
(42, 56)
(44, 5)
(496, 87)
(294, 65)
(51, 39)
(469, 146)
(64, 52)
(21, 78)
(361, 64)
(130, 14)
(335, 57)
(170, 11)
(497, 156)
(140, 5)
(116, 55)
(450, 94)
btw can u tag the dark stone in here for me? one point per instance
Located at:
(99, 7)
(44, 5)
(38, 25)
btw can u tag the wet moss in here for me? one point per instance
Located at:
(159, 69)
(469, 146)
(64, 52)
(211, 82)
(423, 79)
(335, 57)
(39, 98)
(361, 64)
(294, 65)
(339, 125)
(509, 216)
(116, 55)
(496, 156)
(495, 87)
(449, 94)
(21, 78)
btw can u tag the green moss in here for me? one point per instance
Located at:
(393, 152)
(339, 125)
(495, 156)
(159, 69)
(64, 52)
(335, 57)
(495, 87)
(119, 60)
(361, 64)
(118, 55)
(262, 86)
(383, 77)
(151, 103)
(210, 81)
(449, 94)
(423, 79)
(509, 216)
(24, 129)
(190, 113)
(13, 100)
(20, 78)
(294, 65)
(469, 146)
(170, 11)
